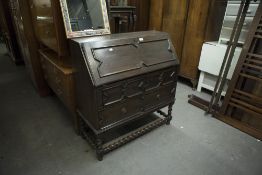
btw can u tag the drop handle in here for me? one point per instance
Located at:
(158, 96)
(173, 90)
(141, 84)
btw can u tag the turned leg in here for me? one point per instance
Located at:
(99, 152)
(194, 83)
(169, 114)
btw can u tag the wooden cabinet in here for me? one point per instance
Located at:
(49, 26)
(194, 38)
(121, 78)
(8, 32)
(59, 78)
(190, 24)
(27, 42)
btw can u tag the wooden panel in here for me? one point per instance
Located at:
(174, 22)
(194, 38)
(63, 47)
(142, 10)
(156, 14)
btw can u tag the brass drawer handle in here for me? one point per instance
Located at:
(158, 96)
(172, 74)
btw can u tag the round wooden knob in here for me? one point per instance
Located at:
(123, 110)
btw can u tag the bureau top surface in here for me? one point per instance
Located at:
(115, 57)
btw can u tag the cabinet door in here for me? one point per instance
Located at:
(194, 37)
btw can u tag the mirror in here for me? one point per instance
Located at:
(85, 17)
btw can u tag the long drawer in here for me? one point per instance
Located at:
(116, 92)
(133, 97)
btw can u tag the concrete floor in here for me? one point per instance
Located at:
(37, 138)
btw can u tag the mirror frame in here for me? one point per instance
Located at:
(88, 32)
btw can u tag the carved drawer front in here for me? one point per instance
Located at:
(135, 87)
(169, 76)
(120, 111)
(162, 95)
(155, 80)
(112, 94)
(117, 92)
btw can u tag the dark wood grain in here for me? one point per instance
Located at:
(156, 14)
(121, 78)
(174, 22)
(194, 38)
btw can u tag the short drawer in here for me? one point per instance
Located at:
(120, 111)
(229, 22)
(164, 77)
(112, 93)
(162, 95)
(232, 9)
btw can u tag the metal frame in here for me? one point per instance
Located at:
(237, 97)
(229, 54)
(89, 32)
